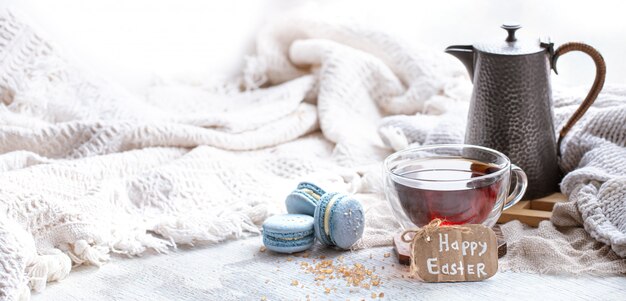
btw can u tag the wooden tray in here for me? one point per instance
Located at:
(532, 212)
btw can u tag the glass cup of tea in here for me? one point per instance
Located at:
(457, 183)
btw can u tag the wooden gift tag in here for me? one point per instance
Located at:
(453, 254)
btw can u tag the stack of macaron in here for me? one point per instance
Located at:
(335, 219)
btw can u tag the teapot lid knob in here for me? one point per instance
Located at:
(511, 28)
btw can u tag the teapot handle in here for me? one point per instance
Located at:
(595, 88)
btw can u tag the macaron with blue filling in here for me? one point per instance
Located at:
(288, 233)
(339, 220)
(304, 199)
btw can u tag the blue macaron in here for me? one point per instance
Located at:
(288, 233)
(339, 220)
(304, 199)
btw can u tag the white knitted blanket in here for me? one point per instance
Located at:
(88, 170)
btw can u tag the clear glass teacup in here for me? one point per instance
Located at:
(460, 184)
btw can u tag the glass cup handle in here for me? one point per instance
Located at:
(520, 187)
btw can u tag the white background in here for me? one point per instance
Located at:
(133, 41)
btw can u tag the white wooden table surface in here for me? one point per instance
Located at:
(239, 271)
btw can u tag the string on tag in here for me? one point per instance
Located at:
(426, 231)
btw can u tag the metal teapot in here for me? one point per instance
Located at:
(511, 106)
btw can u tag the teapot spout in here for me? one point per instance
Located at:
(465, 53)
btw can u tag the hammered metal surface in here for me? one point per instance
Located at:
(514, 48)
(511, 111)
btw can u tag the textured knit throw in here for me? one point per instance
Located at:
(88, 170)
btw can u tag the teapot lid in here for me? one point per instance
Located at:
(511, 45)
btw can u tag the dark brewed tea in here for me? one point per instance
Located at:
(439, 188)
